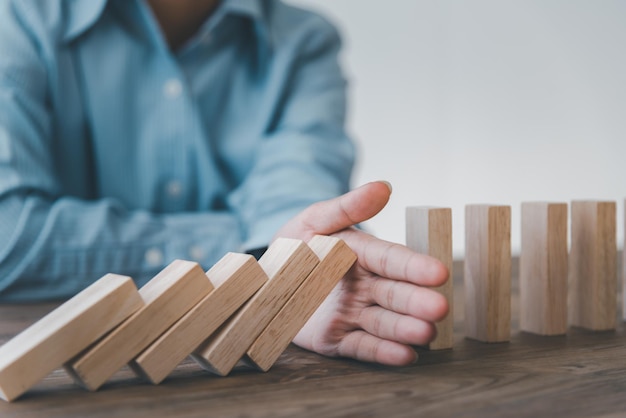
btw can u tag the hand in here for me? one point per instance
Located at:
(381, 307)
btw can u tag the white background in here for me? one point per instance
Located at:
(485, 101)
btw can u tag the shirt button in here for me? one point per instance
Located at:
(172, 88)
(196, 253)
(174, 189)
(154, 257)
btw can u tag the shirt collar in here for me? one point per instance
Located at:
(255, 10)
(81, 16)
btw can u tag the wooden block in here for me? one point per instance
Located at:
(236, 277)
(593, 266)
(487, 273)
(167, 297)
(336, 258)
(543, 268)
(429, 231)
(287, 262)
(65, 332)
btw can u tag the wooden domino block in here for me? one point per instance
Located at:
(487, 273)
(593, 266)
(429, 231)
(236, 277)
(336, 258)
(287, 262)
(167, 297)
(543, 268)
(65, 332)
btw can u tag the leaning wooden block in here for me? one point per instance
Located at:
(593, 266)
(287, 262)
(65, 332)
(168, 296)
(429, 231)
(236, 277)
(543, 268)
(336, 258)
(487, 273)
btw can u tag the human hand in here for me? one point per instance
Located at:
(382, 306)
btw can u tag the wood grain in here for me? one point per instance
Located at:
(287, 262)
(593, 265)
(429, 231)
(543, 268)
(65, 332)
(167, 297)
(236, 277)
(581, 374)
(488, 272)
(336, 258)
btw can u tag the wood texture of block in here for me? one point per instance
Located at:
(429, 231)
(167, 297)
(543, 268)
(593, 266)
(287, 262)
(336, 258)
(487, 273)
(236, 277)
(65, 332)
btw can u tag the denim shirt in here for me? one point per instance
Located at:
(119, 155)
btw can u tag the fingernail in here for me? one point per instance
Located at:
(388, 185)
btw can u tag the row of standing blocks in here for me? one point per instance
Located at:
(558, 288)
(240, 309)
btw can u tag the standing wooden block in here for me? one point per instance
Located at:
(287, 262)
(543, 268)
(593, 266)
(236, 277)
(488, 273)
(168, 296)
(429, 231)
(65, 332)
(336, 259)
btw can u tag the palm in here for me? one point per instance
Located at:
(381, 307)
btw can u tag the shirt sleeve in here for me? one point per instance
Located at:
(53, 245)
(306, 155)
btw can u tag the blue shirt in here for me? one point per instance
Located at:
(119, 155)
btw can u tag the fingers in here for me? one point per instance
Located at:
(331, 216)
(395, 261)
(363, 346)
(408, 299)
(392, 326)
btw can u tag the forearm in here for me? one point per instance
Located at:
(55, 249)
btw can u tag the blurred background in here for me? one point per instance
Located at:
(485, 101)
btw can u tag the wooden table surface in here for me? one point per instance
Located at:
(582, 374)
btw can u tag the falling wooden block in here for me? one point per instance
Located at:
(287, 262)
(236, 277)
(167, 297)
(336, 258)
(65, 332)
(429, 231)
(488, 273)
(543, 268)
(593, 266)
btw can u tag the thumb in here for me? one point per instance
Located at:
(334, 215)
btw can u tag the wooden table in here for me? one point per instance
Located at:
(582, 374)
